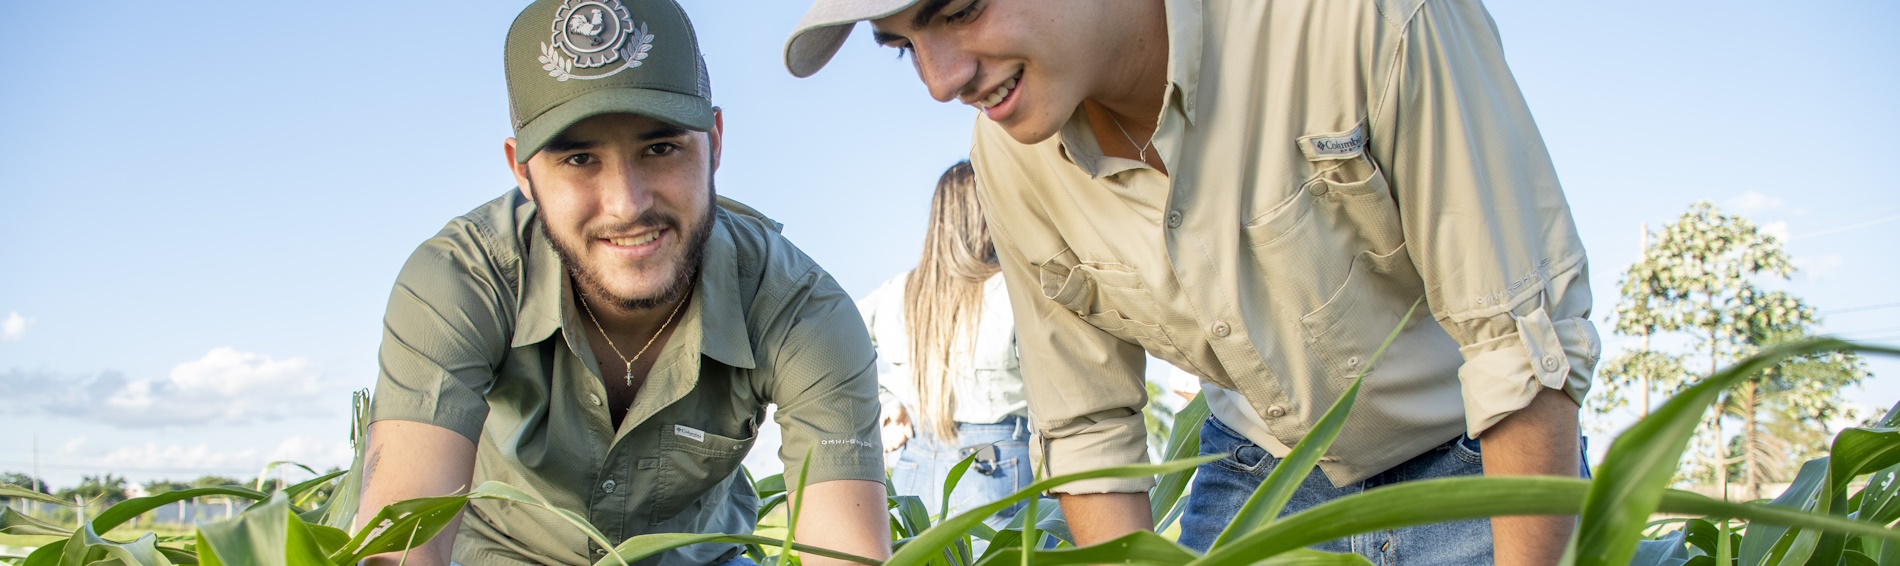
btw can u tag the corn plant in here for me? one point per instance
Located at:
(1822, 519)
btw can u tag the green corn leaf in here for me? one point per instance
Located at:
(772, 485)
(1641, 462)
(1722, 544)
(400, 526)
(1139, 547)
(118, 514)
(1702, 534)
(1455, 499)
(798, 504)
(1666, 551)
(10, 491)
(17, 523)
(646, 546)
(928, 543)
(1758, 546)
(1878, 503)
(329, 539)
(1856, 558)
(956, 476)
(1272, 495)
(307, 487)
(767, 504)
(141, 552)
(267, 534)
(505, 492)
(264, 474)
(1858, 451)
(1184, 441)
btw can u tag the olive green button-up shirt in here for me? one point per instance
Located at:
(1331, 162)
(482, 337)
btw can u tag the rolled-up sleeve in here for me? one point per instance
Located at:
(826, 386)
(444, 335)
(1484, 216)
(1084, 386)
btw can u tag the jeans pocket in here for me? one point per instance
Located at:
(1241, 454)
(1469, 450)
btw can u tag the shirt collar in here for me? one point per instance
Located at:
(1185, 29)
(720, 311)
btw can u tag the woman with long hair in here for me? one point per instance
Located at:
(948, 370)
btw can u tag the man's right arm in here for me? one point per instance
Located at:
(407, 460)
(1084, 386)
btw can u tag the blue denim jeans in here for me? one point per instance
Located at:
(1221, 487)
(740, 560)
(924, 463)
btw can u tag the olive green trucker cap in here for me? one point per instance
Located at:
(825, 27)
(569, 60)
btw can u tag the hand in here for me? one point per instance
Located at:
(896, 429)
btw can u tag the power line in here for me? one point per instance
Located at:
(1863, 308)
(1833, 231)
(236, 470)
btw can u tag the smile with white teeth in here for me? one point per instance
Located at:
(640, 240)
(1001, 93)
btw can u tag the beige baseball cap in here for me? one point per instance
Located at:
(826, 25)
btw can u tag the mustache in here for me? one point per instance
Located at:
(650, 219)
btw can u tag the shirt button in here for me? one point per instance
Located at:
(1352, 362)
(608, 487)
(1275, 412)
(1550, 362)
(595, 397)
(600, 552)
(1174, 219)
(1221, 329)
(1318, 189)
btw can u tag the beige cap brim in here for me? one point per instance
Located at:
(826, 25)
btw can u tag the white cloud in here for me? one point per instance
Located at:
(72, 446)
(14, 327)
(1753, 201)
(225, 386)
(1820, 267)
(1778, 229)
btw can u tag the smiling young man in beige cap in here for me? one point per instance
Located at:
(1256, 191)
(607, 337)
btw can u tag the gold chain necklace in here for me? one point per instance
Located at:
(610, 341)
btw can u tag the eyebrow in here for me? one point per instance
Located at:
(926, 13)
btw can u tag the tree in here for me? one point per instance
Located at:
(23, 480)
(107, 489)
(1699, 278)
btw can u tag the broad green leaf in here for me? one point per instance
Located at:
(645, 546)
(1856, 558)
(113, 516)
(400, 526)
(1878, 503)
(1139, 547)
(9, 491)
(267, 534)
(1759, 543)
(505, 492)
(1184, 441)
(767, 504)
(1665, 551)
(1722, 555)
(264, 474)
(1862, 450)
(17, 523)
(771, 485)
(88, 548)
(1641, 462)
(927, 543)
(956, 476)
(1455, 499)
(296, 492)
(329, 539)
(798, 505)
(1271, 497)
(1702, 534)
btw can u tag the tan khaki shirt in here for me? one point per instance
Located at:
(482, 337)
(1332, 161)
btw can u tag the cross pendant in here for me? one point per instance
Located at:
(629, 375)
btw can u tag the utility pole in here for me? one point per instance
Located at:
(38, 484)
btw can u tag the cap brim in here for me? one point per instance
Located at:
(824, 28)
(683, 110)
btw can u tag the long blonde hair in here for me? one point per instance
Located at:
(943, 298)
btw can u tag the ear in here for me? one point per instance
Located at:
(518, 168)
(713, 136)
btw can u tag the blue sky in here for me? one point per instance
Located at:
(208, 201)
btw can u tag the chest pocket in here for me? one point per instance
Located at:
(691, 464)
(1109, 297)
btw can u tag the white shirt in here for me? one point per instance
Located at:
(991, 388)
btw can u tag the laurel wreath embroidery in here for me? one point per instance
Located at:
(562, 68)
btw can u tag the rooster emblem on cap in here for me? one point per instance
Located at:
(591, 29)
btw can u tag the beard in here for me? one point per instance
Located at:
(593, 284)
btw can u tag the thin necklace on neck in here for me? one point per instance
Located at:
(610, 341)
(1140, 149)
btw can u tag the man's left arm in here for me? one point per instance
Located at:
(1486, 223)
(825, 385)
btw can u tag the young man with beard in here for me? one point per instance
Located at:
(1257, 191)
(607, 336)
